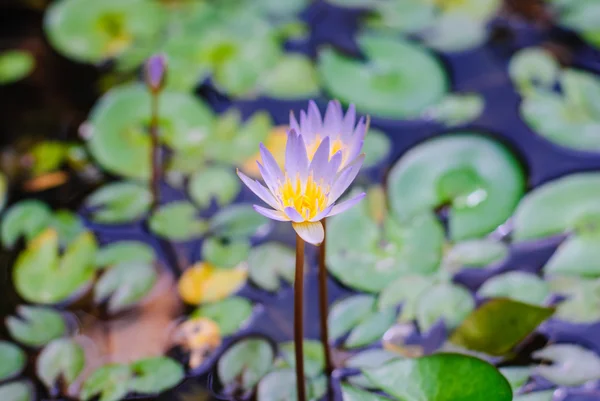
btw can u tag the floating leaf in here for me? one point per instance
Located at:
(17, 391)
(499, 325)
(475, 253)
(118, 124)
(239, 221)
(123, 252)
(583, 300)
(68, 225)
(455, 110)
(294, 77)
(348, 313)
(582, 17)
(119, 202)
(155, 375)
(454, 32)
(91, 31)
(125, 284)
(280, 385)
(15, 65)
(370, 358)
(576, 256)
(204, 283)
(518, 286)
(110, 381)
(230, 314)
(314, 357)
(408, 16)
(25, 219)
(36, 326)
(532, 67)
(217, 183)
(441, 377)
(224, 252)
(48, 156)
(480, 179)
(61, 359)
(443, 301)
(177, 221)
(389, 84)
(572, 365)
(245, 363)
(350, 393)
(405, 290)
(376, 148)
(517, 376)
(42, 276)
(270, 263)
(371, 329)
(13, 360)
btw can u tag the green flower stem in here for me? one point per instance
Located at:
(155, 151)
(323, 303)
(299, 318)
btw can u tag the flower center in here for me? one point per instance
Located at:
(307, 201)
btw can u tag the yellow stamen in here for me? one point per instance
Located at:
(307, 201)
(334, 146)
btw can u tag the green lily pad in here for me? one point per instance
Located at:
(155, 375)
(499, 325)
(571, 365)
(230, 314)
(580, 16)
(123, 252)
(218, 183)
(17, 391)
(15, 65)
(480, 179)
(270, 263)
(13, 360)
(517, 376)
(91, 31)
(177, 221)
(533, 67)
(583, 299)
(110, 382)
(390, 84)
(125, 284)
(383, 252)
(36, 326)
(547, 395)
(441, 377)
(518, 286)
(61, 359)
(25, 219)
(407, 16)
(443, 301)
(454, 109)
(280, 385)
(245, 363)
(350, 393)
(42, 276)
(120, 202)
(238, 221)
(48, 156)
(475, 253)
(68, 225)
(348, 313)
(575, 195)
(576, 256)
(376, 148)
(119, 122)
(405, 290)
(314, 357)
(371, 329)
(223, 252)
(370, 358)
(293, 77)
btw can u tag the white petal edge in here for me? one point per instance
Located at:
(311, 232)
(270, 213)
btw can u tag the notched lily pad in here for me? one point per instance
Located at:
(445, 301)
(218, 183)
(155, 375)
(224, 252)
(230, 314)
(17, 391)
(518, 286)
(314, 357)
(13, 360)
(475, 253)
(177, 221)
(572, 365)
(244, 364)
(125, 284)
(280, 385)
(119, 202)
(61, 359)
(454, 109)
(239, 221)
(24, 219)
(110, 382)
(125, 252)
(270, 264)
(582, 299)
(36, 326)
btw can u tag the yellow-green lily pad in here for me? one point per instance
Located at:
(15, 65)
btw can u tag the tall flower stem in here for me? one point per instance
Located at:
(155, 151)
(324, 302)
(299, 318)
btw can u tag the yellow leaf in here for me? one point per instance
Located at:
(275, 143)
(205, 283)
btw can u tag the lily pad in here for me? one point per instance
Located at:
(480, 179)
(499, 325)
(371, 329)
(224, 252)
(582, 299)
(245, 363)
(475, 253)
(271, 263)
(580, 16)
(25, 219)
(348, 313)
(119, 202)
(405, 290)
(68, 225)
(350, 393)
(125, 284)
(230, 314)
(443, 301)
(293, 77)
(572, 365)
(518, 286)
(61, 359)
(13, 360)
(369, 358)
(155, 375)
(454, 32)
(517, 376)
(15, 65)
(17, 391)
(390, 84)
(205, 283)
(314, 357)
(42, 276)
(110, 382)
(383, 252)
(533, 67)
(454, 110)
(376, 148)
(280, 385)
(119, 122)
(91, 31)
(218, 183)
(177, 221)
(48, 156)
(36, 326)
(125, 252)
(238, 221)
(441, 377)
(576, 256)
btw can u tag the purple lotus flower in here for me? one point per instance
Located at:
(306, 191)
(345, 135)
